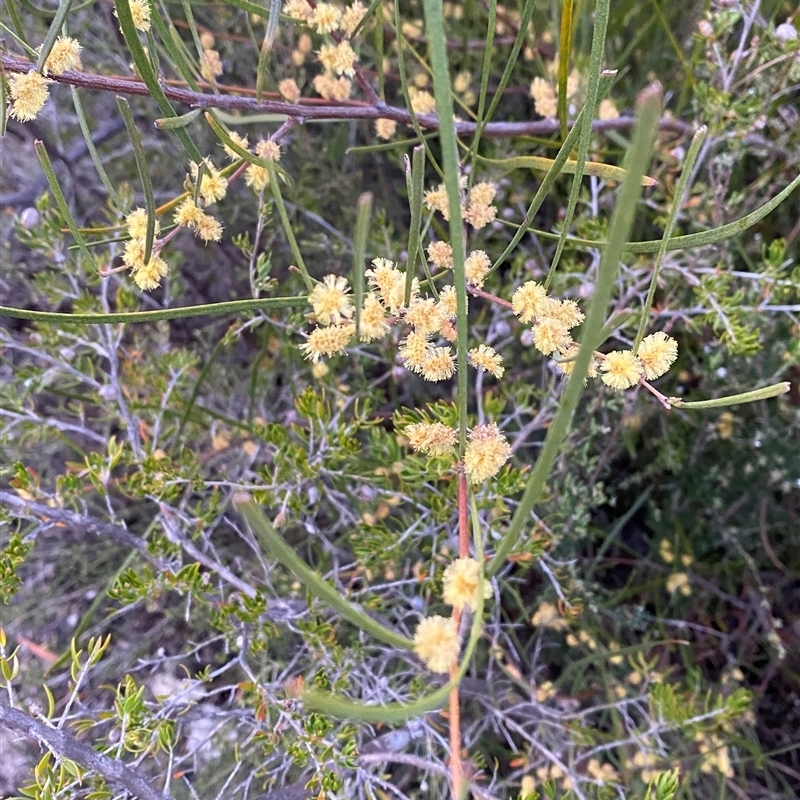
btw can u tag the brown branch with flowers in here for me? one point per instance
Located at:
(313, 109)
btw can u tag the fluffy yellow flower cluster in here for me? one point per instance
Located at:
(338, 58)
(460, 584)
(213, 187)
(553, 320)
(486, 452)
(148, 275)
(436, 640)
(333, 312)
(428, 318)
(435, 438)
(65, 55)
(140, 12)
(28, 92)
(437, 643)
(477, 212)
(622, 368)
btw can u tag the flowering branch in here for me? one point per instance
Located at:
(314, 109)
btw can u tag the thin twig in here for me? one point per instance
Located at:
(55, 517)
(313, 109)
(64, 745)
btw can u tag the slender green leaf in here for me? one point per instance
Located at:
(486, 70)
(402, 46)
(599, 31)
(61, 201)
(606, 171)
(564, 52)
(175, 47)
(171, 123)
(677, 202)
(266, 47)
(415, 177)
(636, 162)
(11, 5)
(287, 226)
(207, 310)
(87, 138)
(53, 32)
(734, 399)
(144, 174)
(149, 77)
(522, 37)
(273, 543)
(363, 215)
(437, 46)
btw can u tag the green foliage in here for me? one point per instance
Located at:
(637, 641)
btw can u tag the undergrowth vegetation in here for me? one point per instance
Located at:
(352, 454)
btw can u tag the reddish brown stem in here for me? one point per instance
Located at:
(456, 772)
(313, 109)
(475, 292)
(463, 517)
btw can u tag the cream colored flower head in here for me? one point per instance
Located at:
(212, 68)
(297, 9)
(268, 150)
(487, 359)
(238, 139)
(424, 316)
(330, 300)
(422, 102)
(460, 584)
(352, 16)
(385, 128)
(327, 341)
(439, 365)
(529, 301)
(448, 302)
(621, 369)
(436, 200)
(325, 18)
(565, 311)
(482, 193)
(373, 319)
(148, 276)
(289, 90)
(479, 215)
(657, 352)
(140, 12)
(437, 643)
(28, 92)
(486, 452)
(213, 186)
(136, 222)
(440, 254)
(550, 336)
(65, 55)
(414, 351)
(391, 284)
(434, 438)
(476, 266)
(544, 97)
